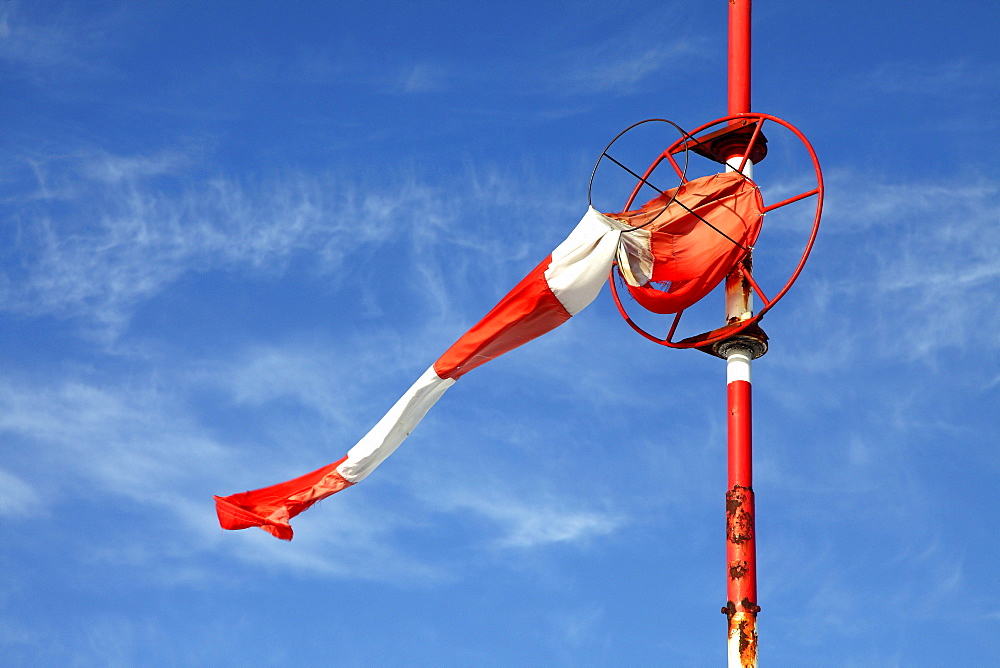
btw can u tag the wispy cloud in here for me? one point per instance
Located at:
(923, 275)
(99, 234)
(143, 447)
(622, 66)
(133, 443)
(578, 627)
(111, 231)
(937, 78)
(56, 46)
(131, 170)
(18, 499)
(422, 78)
(527, 522)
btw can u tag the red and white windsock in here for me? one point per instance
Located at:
(669, 231)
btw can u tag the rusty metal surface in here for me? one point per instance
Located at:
(741, 609)
(739, 515)
(751, 337)
(743, 640)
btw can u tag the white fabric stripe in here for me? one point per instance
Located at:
(394, 427)
(580, 264)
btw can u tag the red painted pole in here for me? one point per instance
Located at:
(741, 547)
(739, 57)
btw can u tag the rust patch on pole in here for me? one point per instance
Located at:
(741, 609)
(739, 514)
(746, 639)
(742, 632)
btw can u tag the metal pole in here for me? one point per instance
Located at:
(741, 546)
(739, 57)
(741, 550)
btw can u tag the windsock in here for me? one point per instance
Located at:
(685, 241)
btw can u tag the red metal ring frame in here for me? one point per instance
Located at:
(727, 331)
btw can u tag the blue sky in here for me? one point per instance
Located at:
(232, 233)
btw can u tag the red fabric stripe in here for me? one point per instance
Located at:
(688, 254)
(270, 508)
(527, 312)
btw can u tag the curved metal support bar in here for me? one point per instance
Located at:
(684, 135)
(625, 315)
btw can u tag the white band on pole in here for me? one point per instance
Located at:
(733, 165)
(738, 364)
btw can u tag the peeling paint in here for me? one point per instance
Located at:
(748, 641)
(739, 521)
(743, 638)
